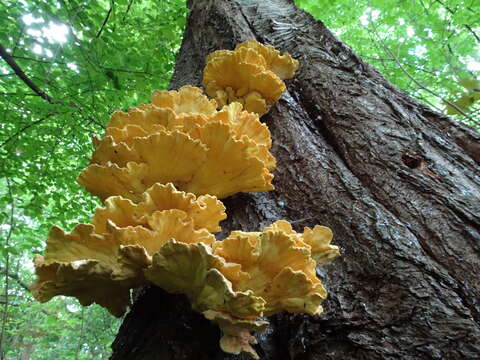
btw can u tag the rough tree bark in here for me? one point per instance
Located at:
(398, 184)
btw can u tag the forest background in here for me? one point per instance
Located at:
(67, 65)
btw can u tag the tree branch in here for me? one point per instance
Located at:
(16, 94)
(13, 64)
(39, 60)
(16, 278)
(465, 25)
(128, 9)
(5, 303)
(473, 32)
(21, 74)
(10, 138)
(418, 83)
(7, 262)
(112, 3)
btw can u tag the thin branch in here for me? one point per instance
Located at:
(473, 32)
(112, 3)
(38, 60)
(465, 25)
(80, 338)
(13, 64)
(16, 94)
(6, 303)
(128, 9)
(10, 138)
(16, 278)
(416, 66)
(64, 63)
(418, 83)
(7, 261)
(446, 7)
(127, 71)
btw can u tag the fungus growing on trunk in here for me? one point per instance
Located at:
(252, 75)
(100, 262)
(150, 231)
(181, 138)
(248, 275)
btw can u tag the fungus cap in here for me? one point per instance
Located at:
(284, 66)
(318, 240)
(85, 265)
(279, 271)
(205, 211)
(192, 269)
(220, 155)
(236, 337)
(251, 74)
(188, 99)
(107, 257)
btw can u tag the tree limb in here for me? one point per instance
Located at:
(112, 3)
(473, 32)
(13, 64)
(16, 278)
(11, 137)
(7, 262)
(419, 84)
(128, 9)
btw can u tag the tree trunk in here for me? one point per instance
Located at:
(398, 184)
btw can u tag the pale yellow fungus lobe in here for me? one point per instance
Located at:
(100, 262)
(193, 270)
(284, 66)
(188, 100)
(317, 240)
(85, 265)
(181, 139)
(279, 271)
(236, 337)
(252, 75)
(205, 211)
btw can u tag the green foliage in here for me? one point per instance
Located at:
(435, 42)
(59, 329)
(90, 58)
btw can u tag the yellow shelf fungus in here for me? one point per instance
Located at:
(193, 270)
(150, 231)
(252, 75)
(236, 337)
(85, 265)
(100, 262)
(246, 276)
(181, 138)
(278, 266)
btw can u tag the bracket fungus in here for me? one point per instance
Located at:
(248, 275)
(150, 231)
(252, 75)
(108, 256)
(181, 138)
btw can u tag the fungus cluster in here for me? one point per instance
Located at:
(160, 170)
(251, 75)
(181, 138)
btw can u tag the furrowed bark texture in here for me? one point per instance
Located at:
(398, 184)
